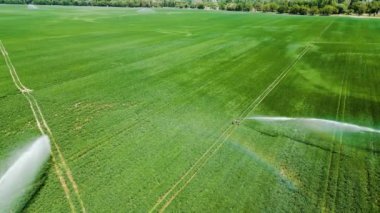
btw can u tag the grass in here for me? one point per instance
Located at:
(135, 100)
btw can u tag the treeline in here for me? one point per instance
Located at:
(301, 7)
(322, 7)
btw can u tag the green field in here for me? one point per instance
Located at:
(142, 104)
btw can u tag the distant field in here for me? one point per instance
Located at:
(143, 103)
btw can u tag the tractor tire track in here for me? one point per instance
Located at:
(323, 31)
(340, 147)
(42, 126)
(337, 115)
(223, 138)
(61, 157)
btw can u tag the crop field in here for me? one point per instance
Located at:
(152, 110)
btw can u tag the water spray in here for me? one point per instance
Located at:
(22, 172)
(321, 124)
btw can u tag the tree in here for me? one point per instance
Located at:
(231, 6)
(294, 9)
(266, 8)
(373, 8)
(342, 8)
(359, 8)
(282, 9)
(328, 10)
(200, 6)
(273, 7)
(313, 10)
(247, 6)
(303, 10)
(258, 6)
(222, 5)
(239, 7)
